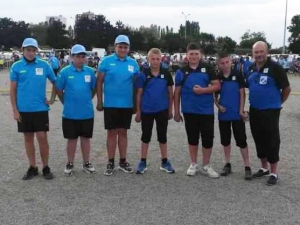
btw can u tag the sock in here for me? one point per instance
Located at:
(247, 168)
(122, 160)
(274, 174)
(143, 160)
(111, 161)
(164, 160)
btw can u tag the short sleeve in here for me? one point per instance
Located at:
(178, 78)
(61, 81)
(13, 75)
(103, 66)
(140, 81)
(169, 79)
(50, 74)
(281, 77)
(212, 73)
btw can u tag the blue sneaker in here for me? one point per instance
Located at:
(167, 167)
(142, 167)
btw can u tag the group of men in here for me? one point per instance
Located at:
(120, 85)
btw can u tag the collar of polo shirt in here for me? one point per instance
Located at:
(24, 62)
(74, 69)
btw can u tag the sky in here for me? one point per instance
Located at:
(221, 17)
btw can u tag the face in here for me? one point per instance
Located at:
(225, 64)
(154, 60)
(79, 60)
(122, 50)
(260, 53)
(29, 53)
(194, 56)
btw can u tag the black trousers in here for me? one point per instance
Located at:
(265, 131)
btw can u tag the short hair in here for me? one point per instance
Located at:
(154, 51)
(193, 46)
(222, 55)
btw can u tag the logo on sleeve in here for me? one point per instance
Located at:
(39, 71)
(87, 78)
(263, 80)
(130, 68)
(162, 76)
(203, 70)
(233, 78)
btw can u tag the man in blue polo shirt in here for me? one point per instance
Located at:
(30, 107)
(195, 85)
(76, 86)
(269, 88)
(154, 102)
(115, 80)
(231, 112)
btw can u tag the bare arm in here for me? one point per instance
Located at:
(13, 95)
(60, 95)
(177, 100)
(242, 100)
(138, 100)
(214, 87)
(285, 94)
(171, 98)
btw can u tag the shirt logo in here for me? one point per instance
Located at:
(266, 70)
(263, 80)
(70, 77)
(112, 64)
(233, 78)
(39, 71)
(23, 71)
(162, 76)
(203, 70)
(87, 78)
(130, 68)
(148, 76)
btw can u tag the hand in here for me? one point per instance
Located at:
(197, 89)
(138, 117)
(48, 102)
(222, 109)
(99, 106)
(17, 116)
(178, 117)
(244, 116)
(170, 114)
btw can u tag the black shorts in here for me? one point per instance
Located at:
(72, 129)
(34, 122)
(239, 132)
(196, 124)
(117, 118)
(265, 131)
(161, 118)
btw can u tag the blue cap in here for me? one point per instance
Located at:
(30, 42)
(78, 49)
(122, 39)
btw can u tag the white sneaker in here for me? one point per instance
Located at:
(68, 169)
(192, 170)
(88, 168)
(209, 171)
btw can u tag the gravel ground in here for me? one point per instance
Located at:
(155, 197)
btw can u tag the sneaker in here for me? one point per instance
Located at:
(192, 170)
(142, 167)
(167, 167)
(273, 179)
(226, 170)
(110, 169)
(88, 168)
(209, 171)
(69, 169)
(261, 173)
(31, 172)
(47, 173)
(125, 167)
(248, 174)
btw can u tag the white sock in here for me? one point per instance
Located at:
(274, 174)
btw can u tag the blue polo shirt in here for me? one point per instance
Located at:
(230, 95)
(265, 86)
(77, 87)
(54, 62)
(155, 97)
(187, 78)
(31, 79)
(247, 65)
(118, 81)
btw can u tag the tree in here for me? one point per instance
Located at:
(13, 33)
(57, 35)
(226, 44)
(39, 32)
(294, 39)
(208, 43)
(250, 38)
